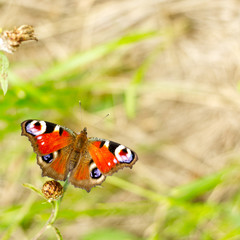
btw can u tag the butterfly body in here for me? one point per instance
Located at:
(62, 153)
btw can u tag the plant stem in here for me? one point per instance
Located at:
(49, 224)
(50, 221)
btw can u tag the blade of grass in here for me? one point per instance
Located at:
(169, 35)
(131, 90)
(200, 186)
(118, 182)
(64, 67)
(110, 209)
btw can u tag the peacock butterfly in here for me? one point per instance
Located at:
(62, 153)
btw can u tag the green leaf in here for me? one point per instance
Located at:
(33, 188)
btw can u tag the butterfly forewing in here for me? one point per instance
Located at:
(47, 137)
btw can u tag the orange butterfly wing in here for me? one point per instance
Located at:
(52, 143)
(100, 158)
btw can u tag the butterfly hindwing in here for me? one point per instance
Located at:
(52, 143)
(56, 164)
(85, 174)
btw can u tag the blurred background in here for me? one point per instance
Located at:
(167, 72)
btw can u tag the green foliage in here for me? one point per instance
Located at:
(109, 234)
(175, 216)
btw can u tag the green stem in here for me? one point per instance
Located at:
(55, 205)
(58, 234)
(65, 185)
(50, 221)
(53, 216)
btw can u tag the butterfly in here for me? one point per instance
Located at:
(62, 153)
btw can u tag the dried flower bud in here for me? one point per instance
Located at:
(52, 190)
(11, 40)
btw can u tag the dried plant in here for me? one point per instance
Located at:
(10, 42)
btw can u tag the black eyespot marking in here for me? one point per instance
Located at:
(124, 150)
(33, 127)
(60, 131)
(91, 162)
(37, 124)
(48, 158)
(101, 144)
(50, 127)
(95, 173)
(113, 146)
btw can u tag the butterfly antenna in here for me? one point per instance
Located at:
(80, 106)
(106, 116)
(99, 121)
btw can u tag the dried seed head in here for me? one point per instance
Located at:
(11, 40)
(52, 190)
